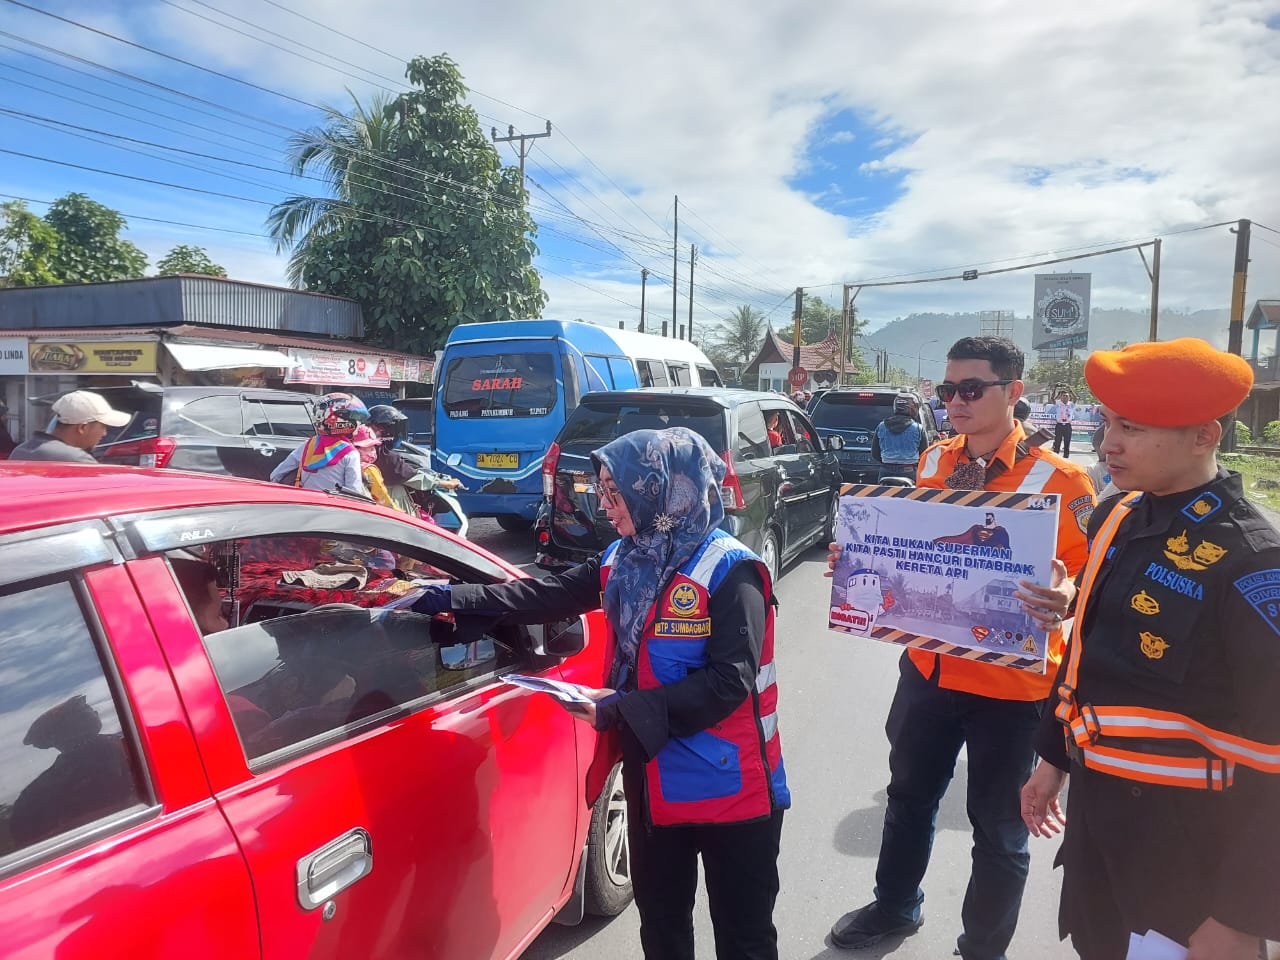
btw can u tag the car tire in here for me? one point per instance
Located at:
(608, 881)
(770, 555)
(514, 523)
(833, 514)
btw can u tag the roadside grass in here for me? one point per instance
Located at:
(1261, 476)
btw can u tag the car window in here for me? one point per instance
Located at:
(217, 414)
(598, 376)
(593, 426)
(852, 411)
(500, 385)
(652, 373)
(288, 418)
(679, 373)
(778, 429)
(65, 761)
(803, 433)
(708, 377)
(624, 374)
(753, 438)
(324, 640)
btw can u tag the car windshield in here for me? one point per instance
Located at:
(594, 426)
(500, 385)
(851, 412)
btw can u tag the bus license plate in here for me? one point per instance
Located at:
(498, 461)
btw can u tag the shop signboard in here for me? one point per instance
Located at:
(13, 356)
(122, 357)
(339, 369)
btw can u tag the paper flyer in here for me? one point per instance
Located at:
(564, 692)
(937, 570)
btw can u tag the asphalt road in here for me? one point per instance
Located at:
(834, 696)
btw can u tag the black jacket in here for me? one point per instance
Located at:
(1168, 857)
(702, 699)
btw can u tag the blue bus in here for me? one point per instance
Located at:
(504, 389)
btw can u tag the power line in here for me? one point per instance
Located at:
(136, 216)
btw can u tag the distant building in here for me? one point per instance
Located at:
(772, 365)
(1263, 403)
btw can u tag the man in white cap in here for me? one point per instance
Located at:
(81, 421)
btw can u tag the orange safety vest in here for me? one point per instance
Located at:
(1087, 726)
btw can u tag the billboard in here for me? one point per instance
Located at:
(1060, 317)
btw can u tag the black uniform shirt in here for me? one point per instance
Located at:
(1185, 617)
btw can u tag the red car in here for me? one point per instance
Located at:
(223, 732)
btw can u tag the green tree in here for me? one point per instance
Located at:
(90, 247)
(27, 247)
(739, 337)
(1057, 373)
(188, 259)
(820, 320)
(425, 227)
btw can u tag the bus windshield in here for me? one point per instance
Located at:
(500, 385)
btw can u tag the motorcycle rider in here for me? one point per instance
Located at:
(395, 468)
(328, 460)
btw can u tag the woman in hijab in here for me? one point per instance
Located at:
(692, 696)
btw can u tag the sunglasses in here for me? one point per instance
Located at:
(969, 390)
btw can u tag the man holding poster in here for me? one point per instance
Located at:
(944, 702)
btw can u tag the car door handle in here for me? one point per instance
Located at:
(265, 449)
(326, 872)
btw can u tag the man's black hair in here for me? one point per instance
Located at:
(1005, 357)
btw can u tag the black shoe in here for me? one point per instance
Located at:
(868, 926)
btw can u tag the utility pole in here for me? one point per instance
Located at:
(524, 139)
(1235, 332)
(1155, 290)
(844, 333)
(644, 280)
(693, 258)
(795, 329)
(675, 263)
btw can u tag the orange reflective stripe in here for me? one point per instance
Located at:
(1193, 772)
(1140, 723)
(1066, 709)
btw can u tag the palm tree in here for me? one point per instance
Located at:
(742, 334)
(350, 152)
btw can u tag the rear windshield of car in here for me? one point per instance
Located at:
(500, 385)
(145, 420)
(851, 412)
(594, 426)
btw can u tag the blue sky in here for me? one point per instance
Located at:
(808, 146)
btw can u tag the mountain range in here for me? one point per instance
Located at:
(907, 338)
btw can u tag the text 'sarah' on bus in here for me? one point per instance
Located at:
(504, 390)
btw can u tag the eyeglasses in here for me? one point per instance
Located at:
(606, 494)
(969, 390)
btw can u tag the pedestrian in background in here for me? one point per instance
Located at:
(1064, 411)
(80, 422)
(1166, 708)
(899, 439)
(7, 443)
(692, 697)
(945, 702)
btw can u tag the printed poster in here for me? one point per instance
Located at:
(937, 570)
(1060, 313)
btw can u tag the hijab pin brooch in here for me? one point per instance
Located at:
(664, 523)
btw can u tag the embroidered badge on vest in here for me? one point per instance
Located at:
(1261, 590)
(682, 628)
(683, 601)
(1153, 647)
(1144, 603)
(1205, 554)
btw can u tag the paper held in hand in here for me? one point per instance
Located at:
(937, 570)
(564, 692)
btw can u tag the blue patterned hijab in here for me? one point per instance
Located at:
(670, 482)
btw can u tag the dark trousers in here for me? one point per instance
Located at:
(1062, 439)
(740, 862)
(926, 728)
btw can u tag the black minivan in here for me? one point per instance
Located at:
(779, 498)
(853, 413)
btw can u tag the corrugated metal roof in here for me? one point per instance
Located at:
(164, 301)
(1265, 315)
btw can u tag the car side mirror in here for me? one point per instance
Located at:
(835, 442)
(563, 638)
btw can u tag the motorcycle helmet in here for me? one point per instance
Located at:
(338, 414)
(388, 420)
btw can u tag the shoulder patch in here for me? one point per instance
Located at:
(1261, 590)
(1082, 507)
(1202, 507)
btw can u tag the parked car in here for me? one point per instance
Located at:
(778, 500)
(225, 734)
(853, 413)
(238, 431)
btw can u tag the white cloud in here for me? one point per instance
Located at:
(1016, 129)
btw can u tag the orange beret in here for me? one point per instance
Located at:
(1174, 383)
